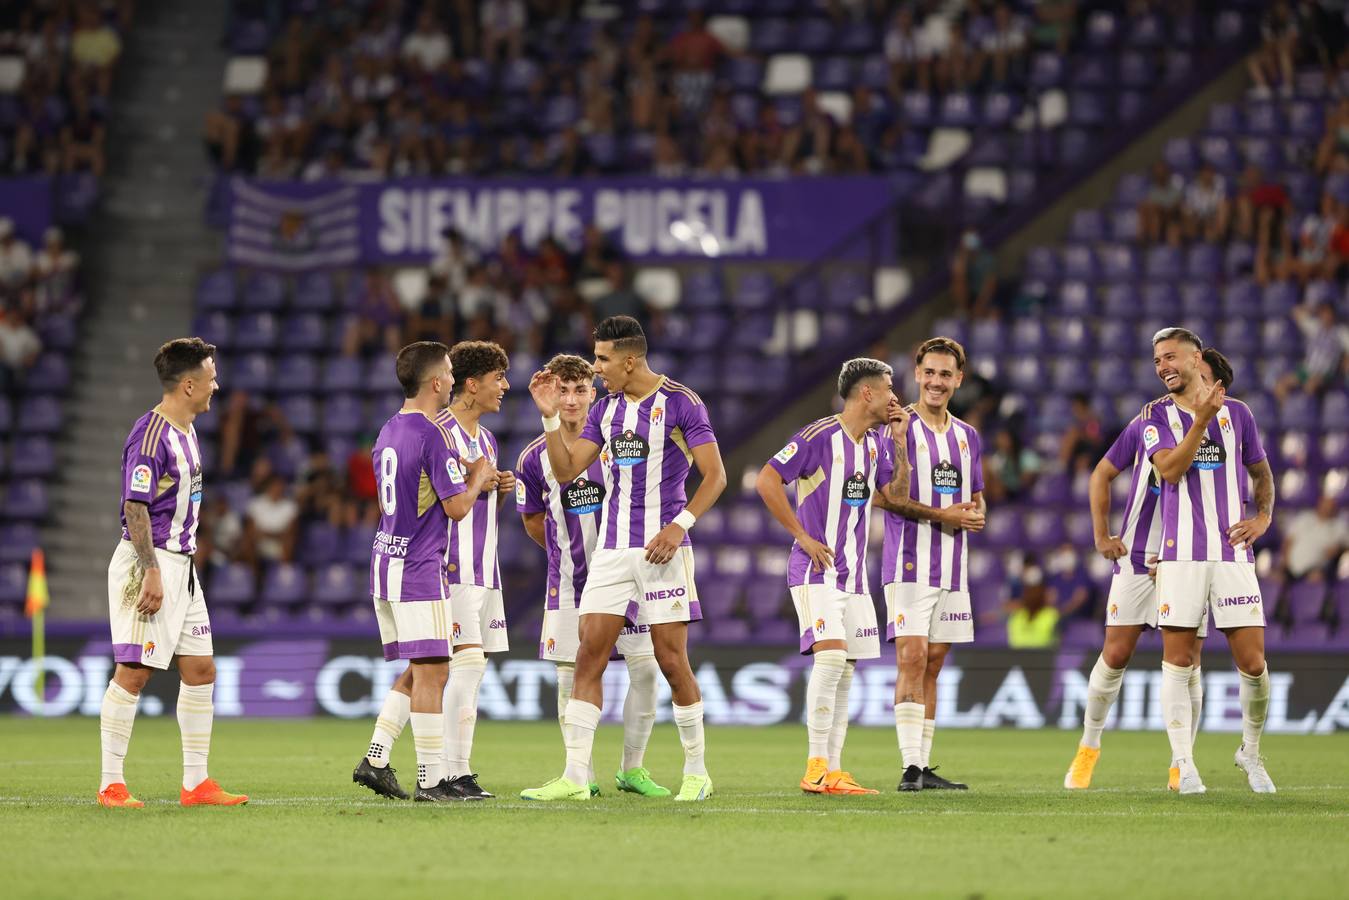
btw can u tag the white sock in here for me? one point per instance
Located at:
(909, 728)
(839, 733)
(1196, 703)
(428, 736)
(929, 730)
(461, 708)
(1176, 711)
(393, 716)
(582, 720)
(821, 694)
(196, 713)
(689, 721)
(566, 677)
(1102, 690)
(639, 709)
(114, 722)
(1254, 693)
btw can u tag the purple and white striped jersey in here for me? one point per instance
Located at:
(1198, 512)
(945, 468)
(571, 526)
(835, 476)
(416, 467)
(472, 557)
(646, 447)
(1141, 530)
(161, 467)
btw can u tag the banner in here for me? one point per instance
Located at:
(741, 686)
(27, 201)
(293, 226)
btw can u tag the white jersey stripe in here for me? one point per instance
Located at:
(655, 465)
(395, 583)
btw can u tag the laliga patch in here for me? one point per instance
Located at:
(1151, 437)
(519, 492)
(140, 479)
(785, 455)
(452, 469)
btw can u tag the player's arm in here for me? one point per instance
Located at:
(1248, 531)
(567, 460)
(1173, 462)
(481, 476)
(152, 585)
(534, 527)
(896, 489)
(773, 491)
(707, 458)
(1098, 497)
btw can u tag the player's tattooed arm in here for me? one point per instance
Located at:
(138, 526)
(1248, 531)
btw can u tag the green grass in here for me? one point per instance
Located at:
(310, 832)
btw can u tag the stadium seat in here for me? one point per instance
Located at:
(245, 75)
(787, 73)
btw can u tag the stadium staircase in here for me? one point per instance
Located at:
(141, 265)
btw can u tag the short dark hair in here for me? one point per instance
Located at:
(180, 356)
(571, 368)
(855, 371)
(1222, 369)
(414, 361)
(474, 359)
(941, 345)
(1176, 333)
(625, 332)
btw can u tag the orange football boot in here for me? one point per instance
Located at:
(841, 782)
(116, 796)
(210, 793)
(817, 773)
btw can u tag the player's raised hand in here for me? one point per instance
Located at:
(1211, 399)
(482, 475)
(546, 389)
(1247, 531)
(152, 593)
(1111, 547)
(967, 516)
(898, 417)
(820, 555)
(505, 481)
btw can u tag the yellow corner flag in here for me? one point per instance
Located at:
(35, 608)
(37, 586)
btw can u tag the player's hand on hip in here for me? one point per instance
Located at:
(1152, 567)
(966, 515)
(1111, 547)
(152, 593)
(505, 481)
(661, 548)
(546, 389)
(1247, 531)
(820, 555)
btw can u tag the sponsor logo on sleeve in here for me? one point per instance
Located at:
(140, 479)
(1151, 436)
(452, 469)
(785, 455)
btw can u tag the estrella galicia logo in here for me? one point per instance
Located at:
(946, 478)
(856, 491)
(630, 448)
(196, 486)
(1210, 455)
(582, 497)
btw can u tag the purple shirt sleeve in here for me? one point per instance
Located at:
(140, 472)
(443, 466)
(793, 459)
(591, 430)
(1252, 448)
(976, 463)
(1155, 432)
(1121, 453)
(693, 422)
(529, 484)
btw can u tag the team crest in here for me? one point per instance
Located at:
(1164, 610)
(657, 415)
(551, 645)
(899, 620)
(871, 452)
(1114, 610)
(455, 629)
(1225, 423)
(148, 649)
(964, 449)
(819, 626)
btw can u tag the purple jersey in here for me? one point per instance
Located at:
(835, 476)
(161, 467)
(1198, 512)
(645, 450)
(472, 557)
(945, 468)
(571, 523)
(416, 467)
(1141, 530)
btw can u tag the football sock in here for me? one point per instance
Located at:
(639, 709)
(1254, 693)
(1176, 710)
(428, 735)
(566, 677)
(582, 720)
(1102, 689)
(909, 728)
(689, 721)
(461, 708)
(839, 733)
(115, 720)
(393, 717)
(821, 694)
(1196, 703)
(196, 713)
(929, 729)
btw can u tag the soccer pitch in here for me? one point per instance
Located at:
(310, 832)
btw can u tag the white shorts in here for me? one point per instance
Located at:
(1186, 590)
(1133, 601)
(181, 626)
(413, 629)
(824, 613)
(560, 637)
(623, 583)
(917, 610)
(478, 615)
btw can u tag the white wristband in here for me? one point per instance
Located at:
(685, 519)
(552, 423)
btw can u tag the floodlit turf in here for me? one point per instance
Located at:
(310, 832)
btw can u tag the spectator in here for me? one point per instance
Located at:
(427, 48)
(693, 54)
(909, 53)
(1262, 209)
(1012, 468)
(1332, 154)
(16, 261)
(230, 139)
(1312, 544)
(293, 57)
(1206, 212)
(455, 258)
(54, 272)
(1054, 24)
(503, 26)
(1070, 587)
(19, 348)
(94, 47)
(82, 138)
(1032, 621)
(1083, 442)
(270, 524)
(1159, 215)
(1274, 60)
(1312, 258)
(1002, 50)
(621, 300)
(974, 276)
(1327, 343)
(361, 485)
(378, 320)
(219, 534)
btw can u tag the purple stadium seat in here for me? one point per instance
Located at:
(1046, 70)
(216, 290)
(285, 584)
(321, 543)
(1225, 118)
(814, 36)
(231, 585)
(1029, 335)
(256, 331)
(518, 74)
(380, 375)
(1199, 298)
(251, 373)
(1160, 299)
(1220, 153)
(1162, 263)
(1120, 301)
(17, 542)
(1203, 261)
(1241, 299)
(1263, 119)
(40, 415)
(874, 73)
(1279, 336)
(1304, 121)
(958, 110)
(50, 374)
(845, 288)
(1103, 30)
(999, 109)
(26, 499)
(301, 412)
(771, 35)
(1072, 336)
(296, 373)
(835, 73)
(13, 588)
(917, 109)
(1002, 531)
(1119, 262)
(1237, 337)
(1129, 105)
(1074, 143)
(1335, 406)
(263, 292)
(755, 290)
(1025, 373)
(1079, 262)
(1136, 71)
(1115, 336)
(744, 73)
(1093, 72)
(1298, 410)
(58, 332)
(306, 332)
(314, 292)
(1334, 449)
(987, 336)
(33, 457)
(214, 328)
(1131, 190)
(1042, 264)
(1074, 298)
(1143, 376)
(1111, 374)
(1087, 225)
(338, 584)
(342, 414)
(343, 373)
(1263, 152)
